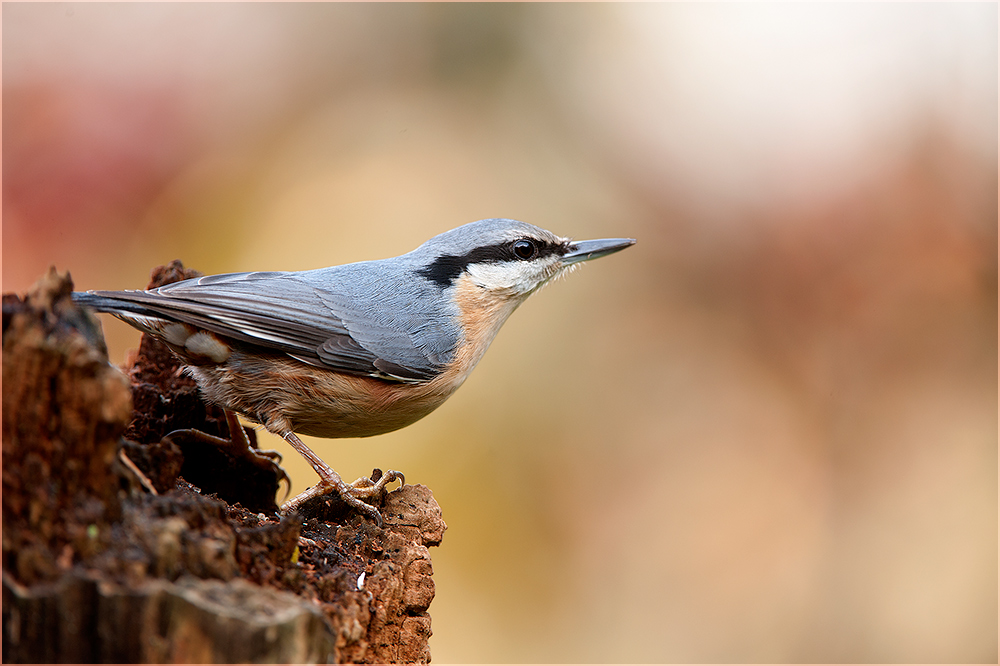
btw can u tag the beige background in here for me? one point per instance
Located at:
(767, 432)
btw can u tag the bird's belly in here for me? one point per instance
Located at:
(286, 395)
(369, 407)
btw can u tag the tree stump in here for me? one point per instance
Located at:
(120, 545)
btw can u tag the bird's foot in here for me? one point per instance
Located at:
(238, 446)
(372, 486)
(354, 494)
(330, 482)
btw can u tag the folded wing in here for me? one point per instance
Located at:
(301, 315)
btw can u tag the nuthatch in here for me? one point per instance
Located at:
(353, 350)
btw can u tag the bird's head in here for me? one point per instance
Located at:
(506, 258)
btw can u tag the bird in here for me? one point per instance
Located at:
(353, 350)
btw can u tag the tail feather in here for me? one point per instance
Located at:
(134, 314)
(111, 305)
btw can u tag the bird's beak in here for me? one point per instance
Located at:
(592, 249)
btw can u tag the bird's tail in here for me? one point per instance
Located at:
(135, 314)
(105, 303)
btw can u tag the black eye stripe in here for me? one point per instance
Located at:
(445, 269)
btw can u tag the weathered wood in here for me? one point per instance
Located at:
(112, 562)
(83, 619)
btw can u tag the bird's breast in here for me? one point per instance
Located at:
(481, 313)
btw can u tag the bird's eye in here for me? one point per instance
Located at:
(524, 249)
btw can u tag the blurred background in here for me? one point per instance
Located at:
(768, 432)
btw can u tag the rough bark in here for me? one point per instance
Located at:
(122, 546)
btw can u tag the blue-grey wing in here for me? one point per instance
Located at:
(303, 315)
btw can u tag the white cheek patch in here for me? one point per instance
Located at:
(492, 276)
(516, 276)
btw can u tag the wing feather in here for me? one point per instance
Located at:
(300, 314)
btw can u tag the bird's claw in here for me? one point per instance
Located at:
(353, 494)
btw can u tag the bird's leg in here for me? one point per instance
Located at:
(238, 445)
(240, 441)
(330, 481)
